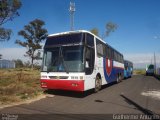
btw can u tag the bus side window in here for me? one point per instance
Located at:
(90, 40)
(100, 48)
(89, 64)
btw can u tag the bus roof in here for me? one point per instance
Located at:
(70, 32)
(81, 31)
(127, 61)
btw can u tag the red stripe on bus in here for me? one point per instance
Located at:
(73, 85)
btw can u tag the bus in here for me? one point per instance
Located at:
(128, 69)
(150, 69)
(79, 61)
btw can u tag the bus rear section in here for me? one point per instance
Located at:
(150, 69)
(128, 69)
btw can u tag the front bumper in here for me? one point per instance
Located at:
(73, 85)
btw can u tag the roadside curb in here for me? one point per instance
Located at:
(24, 102)
(157, 77)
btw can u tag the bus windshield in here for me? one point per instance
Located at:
(151, 67)
(63, 59)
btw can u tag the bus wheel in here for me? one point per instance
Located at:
(97, 84)
(118, 79)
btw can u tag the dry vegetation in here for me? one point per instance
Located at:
(19, 84)
(143, 72)
(139, 72)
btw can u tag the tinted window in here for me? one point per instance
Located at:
(64, 39)
(151, 67)
(100, 46)
(112, 54)
(63, 59)
(89, 59)
(90, 40)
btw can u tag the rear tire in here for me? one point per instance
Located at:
(118, 78)
(98, 84)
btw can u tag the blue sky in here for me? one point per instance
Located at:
(138, 21)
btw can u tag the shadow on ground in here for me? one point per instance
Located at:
(74, 93)
(140, 108)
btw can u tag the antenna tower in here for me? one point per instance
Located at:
(72, 10)
(155, 63)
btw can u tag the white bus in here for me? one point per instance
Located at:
(79, 61)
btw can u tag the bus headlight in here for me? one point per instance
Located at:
(43, 84)
(81, 77)
(74, 77)
(74, 84)
(43, 77)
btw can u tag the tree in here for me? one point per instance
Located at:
(95, 31)
(5, 34)
(27, 64)
(0, 56)
(110, 27)
(8, 11)
(19, 63)
(34, 34)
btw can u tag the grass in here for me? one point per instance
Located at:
(143, 72)
(139, 71)
(18, 85)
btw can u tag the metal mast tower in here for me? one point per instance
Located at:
(155, 63)
(72, 10)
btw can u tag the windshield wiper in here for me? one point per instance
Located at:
(50, 68)
(59, 63)
(62, 59)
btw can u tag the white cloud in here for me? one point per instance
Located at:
(13, 53)
(16, 53)
(140, 60)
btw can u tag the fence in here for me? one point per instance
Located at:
(7, 64)
(158, 71)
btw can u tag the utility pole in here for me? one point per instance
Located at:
(72, 10)
(154, 63)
